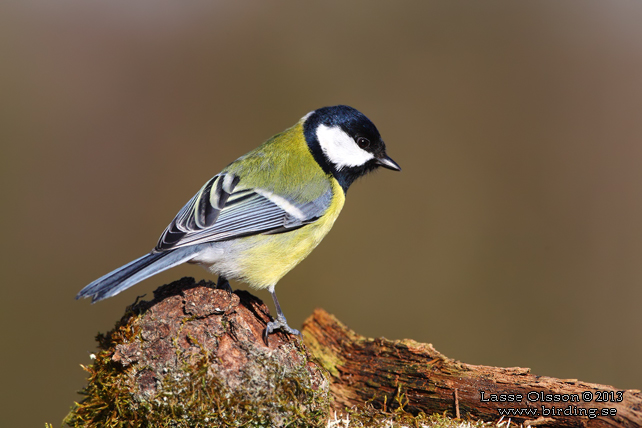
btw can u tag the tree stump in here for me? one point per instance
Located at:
(194, 357)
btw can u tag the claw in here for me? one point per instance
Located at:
(280, 323)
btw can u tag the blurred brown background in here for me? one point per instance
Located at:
(513, 236)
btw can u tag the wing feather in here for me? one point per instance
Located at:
(222, 210)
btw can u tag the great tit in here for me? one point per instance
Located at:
(267, 210)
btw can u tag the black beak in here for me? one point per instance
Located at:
(388, 163)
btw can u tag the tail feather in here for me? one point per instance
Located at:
(134, 272)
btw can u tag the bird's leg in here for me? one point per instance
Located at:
(280, 322)
(223, 284)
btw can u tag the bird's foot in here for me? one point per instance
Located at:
(223, 284)
(279, 323)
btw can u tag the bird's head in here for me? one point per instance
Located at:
(345, 143)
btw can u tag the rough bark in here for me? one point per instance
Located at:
(379, 370)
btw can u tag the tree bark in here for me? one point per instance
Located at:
(392, 373)
(194, 356)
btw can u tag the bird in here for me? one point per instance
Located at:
(266, 211)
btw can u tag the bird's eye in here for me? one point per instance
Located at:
(364, 143)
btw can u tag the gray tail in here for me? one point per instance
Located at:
(134, 272)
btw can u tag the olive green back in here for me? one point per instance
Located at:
(284, 155)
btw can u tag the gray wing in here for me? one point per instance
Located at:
(223, 210)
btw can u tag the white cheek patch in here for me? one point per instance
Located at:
(340, 148)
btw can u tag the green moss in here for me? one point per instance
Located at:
(365, 418)
(191, 398)
(368, 416)
(327, 360)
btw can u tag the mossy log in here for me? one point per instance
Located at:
(378, 370)
(194, 356)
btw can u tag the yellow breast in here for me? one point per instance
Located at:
(269, 257)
